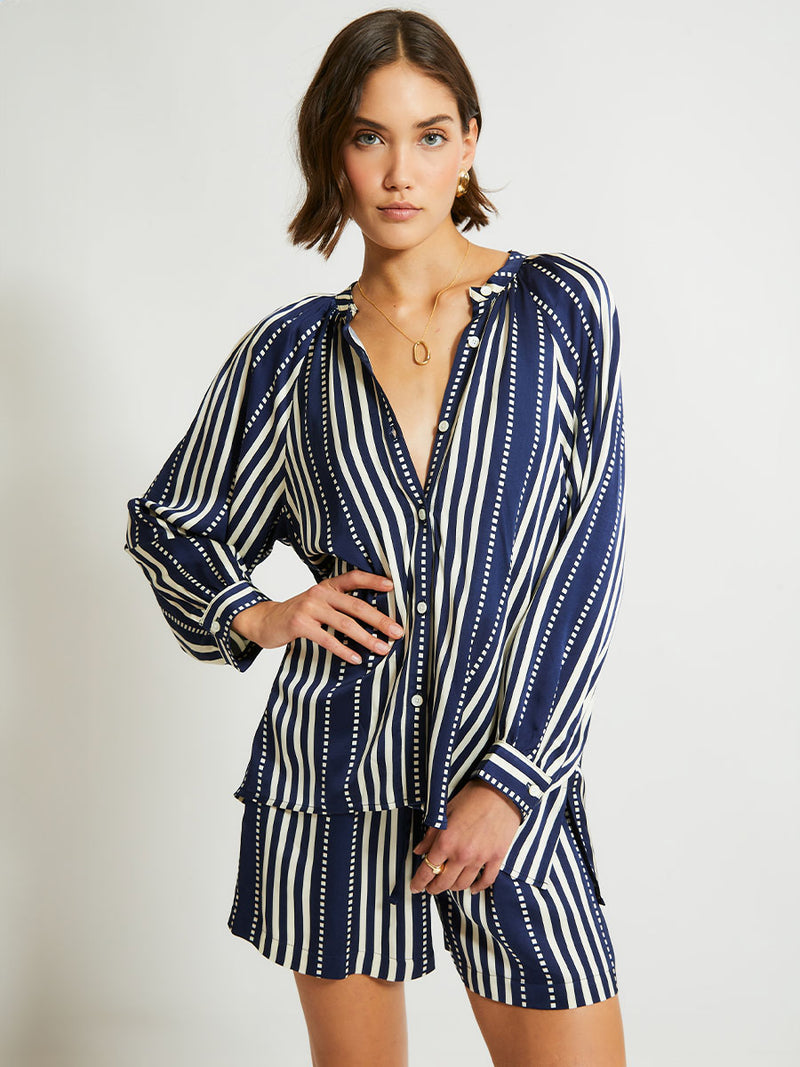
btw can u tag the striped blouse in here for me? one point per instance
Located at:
(507, 564)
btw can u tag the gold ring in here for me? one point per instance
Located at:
(436, 868)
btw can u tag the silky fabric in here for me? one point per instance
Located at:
(313, 894)
(506, 564)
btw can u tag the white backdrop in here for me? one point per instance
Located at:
(147, 181)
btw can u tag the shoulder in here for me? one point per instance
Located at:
(574, 293)
(562, 279)
(277, 343)
(291, 323)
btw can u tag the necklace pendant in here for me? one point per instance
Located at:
(420, 362)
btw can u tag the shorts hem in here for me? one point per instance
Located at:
(283, 954)
(549, 997)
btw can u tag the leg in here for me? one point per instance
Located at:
(590, 1036)
(538, 964)
(356, 1021)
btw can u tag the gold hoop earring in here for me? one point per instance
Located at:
(463, 182)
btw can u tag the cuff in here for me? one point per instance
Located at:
(508, 770)
(218, 616)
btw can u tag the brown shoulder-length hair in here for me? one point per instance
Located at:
(331, 103)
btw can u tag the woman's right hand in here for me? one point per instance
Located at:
(328, 603)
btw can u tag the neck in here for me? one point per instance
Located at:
(411, 275)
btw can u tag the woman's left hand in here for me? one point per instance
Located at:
(481, 823)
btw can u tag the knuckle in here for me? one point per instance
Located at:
(467, 855)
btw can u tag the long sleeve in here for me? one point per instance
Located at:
(214, 510)
(557, 646)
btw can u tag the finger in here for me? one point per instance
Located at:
(357, 579)
(322, 614)
(490, 872)
(343, 611)
(422, 878)
(423, 875)
(328, 641)
(466, 878)
(308, 614)
(452, 873)
(428, 838)
(313, 630)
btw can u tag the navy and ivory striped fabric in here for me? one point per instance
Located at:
(507, 563)
(313, 894)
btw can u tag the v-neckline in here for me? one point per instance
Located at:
(477, 295)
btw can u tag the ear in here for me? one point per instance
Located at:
(470, 145)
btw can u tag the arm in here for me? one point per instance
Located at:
(214, 510)
(554, 654)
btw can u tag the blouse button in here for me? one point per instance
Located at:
(214, 627)
(473, 341)
(486, 290)
(443, 425)
(532, 789)
(422, 607)
(422, 513)
(416, 700)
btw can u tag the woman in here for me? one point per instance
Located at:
(442, 443)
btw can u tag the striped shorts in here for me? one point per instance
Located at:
(329, 895)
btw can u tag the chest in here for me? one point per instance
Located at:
(496, 456)
(414, 391)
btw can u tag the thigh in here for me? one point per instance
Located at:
(539, 1037)
(358, 1021)
(534, 946)
(314, 893)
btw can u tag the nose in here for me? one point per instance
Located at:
(398, 173)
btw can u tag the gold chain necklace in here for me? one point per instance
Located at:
(421, 342)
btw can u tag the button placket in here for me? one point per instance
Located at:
(420, 633)
(419, 709)
(469, 344)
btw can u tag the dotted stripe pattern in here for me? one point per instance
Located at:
(312, 894)
(507, 563)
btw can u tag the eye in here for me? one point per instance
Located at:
(434, 133)
(365, 133)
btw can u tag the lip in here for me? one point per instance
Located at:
(399, 211)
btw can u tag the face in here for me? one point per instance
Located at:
(406, 144)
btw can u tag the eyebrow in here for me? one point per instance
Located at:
(434, 120)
